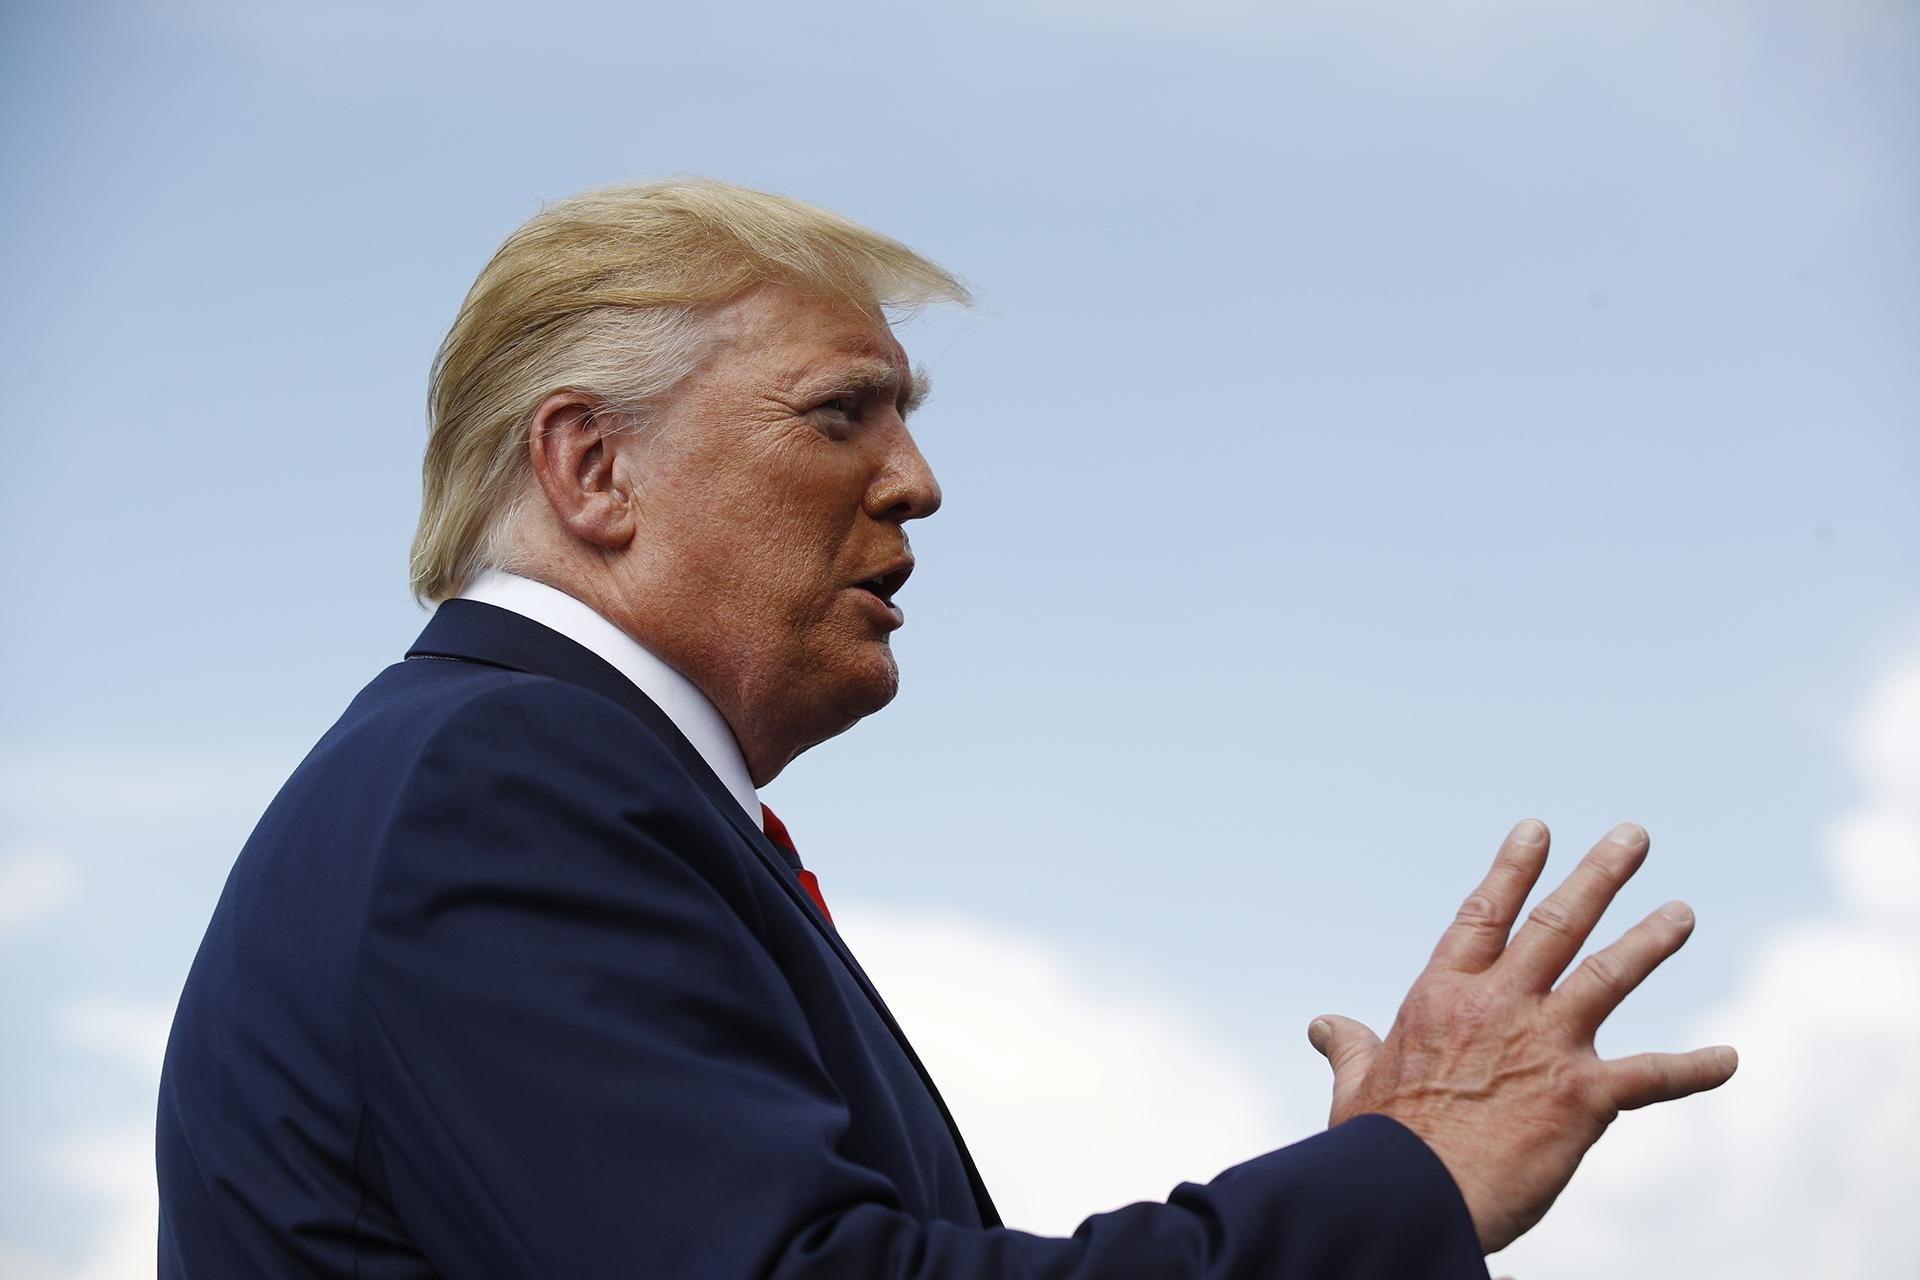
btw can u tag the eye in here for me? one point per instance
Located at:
(837, 415)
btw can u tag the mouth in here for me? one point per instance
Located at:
(883, 585)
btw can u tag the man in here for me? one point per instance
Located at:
(517, 978)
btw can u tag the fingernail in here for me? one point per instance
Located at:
(1528, 832)
(1678, 912)
(1728, 1058)
(1317, 1032)
(1628, 833)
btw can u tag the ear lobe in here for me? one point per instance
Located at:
(567, 446)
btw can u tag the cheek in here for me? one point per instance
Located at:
(802, 555)
(749, 559)
(771, 537)
(745, 518)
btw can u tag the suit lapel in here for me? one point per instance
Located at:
(476, 632)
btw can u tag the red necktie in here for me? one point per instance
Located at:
(777, 832)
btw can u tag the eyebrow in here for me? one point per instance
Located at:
(917, 390)
(877, 376)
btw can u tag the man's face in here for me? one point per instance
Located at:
(771, 490)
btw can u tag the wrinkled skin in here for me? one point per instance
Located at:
(727, 529)
(1491, 1063)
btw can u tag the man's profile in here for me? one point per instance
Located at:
(516, 976)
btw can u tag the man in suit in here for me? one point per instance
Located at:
(516, 977)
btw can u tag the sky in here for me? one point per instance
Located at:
(1380, 422)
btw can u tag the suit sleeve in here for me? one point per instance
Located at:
(580, 1061)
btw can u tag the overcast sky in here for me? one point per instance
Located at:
(1381, 422)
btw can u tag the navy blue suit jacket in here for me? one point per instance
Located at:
(505, 984)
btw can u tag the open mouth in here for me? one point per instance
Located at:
(887, 583)
(882, 587)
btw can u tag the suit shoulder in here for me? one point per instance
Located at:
(490, 745)
(431, 704)
(553, 789)
(516, 720)
(447, 743)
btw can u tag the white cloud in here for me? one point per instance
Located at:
(1806, 1163)
(132, 1033)
(22, 1264)
(146, 788)
(1075, 1097)
(1079, 1093)
(33, 886)
(113, 1166)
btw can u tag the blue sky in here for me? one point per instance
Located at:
(1381, 422)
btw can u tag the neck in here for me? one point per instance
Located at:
(768, 733)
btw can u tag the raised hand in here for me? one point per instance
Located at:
(1491, 1063)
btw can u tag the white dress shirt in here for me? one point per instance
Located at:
(696, 718)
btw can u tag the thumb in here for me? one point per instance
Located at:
(1348, 1046)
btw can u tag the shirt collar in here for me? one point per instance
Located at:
(692, 714)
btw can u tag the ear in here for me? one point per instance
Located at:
(572, 450)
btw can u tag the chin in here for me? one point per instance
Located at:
(872, 684)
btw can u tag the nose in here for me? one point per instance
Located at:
(903, 487)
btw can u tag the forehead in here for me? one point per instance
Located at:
(789, 336)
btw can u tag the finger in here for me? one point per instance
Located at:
(1349, 1047)
(1479, 932)
(1605, 978)
(1555, 929)
(1647, 1078)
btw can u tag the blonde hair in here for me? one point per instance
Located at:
(607, 293)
